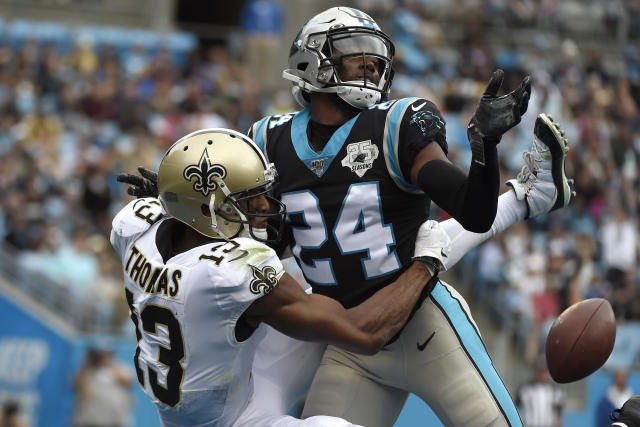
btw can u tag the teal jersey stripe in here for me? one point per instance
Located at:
(258, 137)
(394, 119)
(476, 350)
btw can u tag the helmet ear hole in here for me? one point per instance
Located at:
(303, 66)
(226, 208)
(205, 210)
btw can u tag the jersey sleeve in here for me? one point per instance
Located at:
(132, 221)
(251, 271)
(413, 123)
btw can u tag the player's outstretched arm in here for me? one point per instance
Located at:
(364, 328)
(542, 186)
(472, 199)
(361, 329)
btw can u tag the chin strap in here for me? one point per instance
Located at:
(214, 221)
(226, 192)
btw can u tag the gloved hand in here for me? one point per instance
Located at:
(145, 185)
(497, 114)
(432, 246)
(629, 414)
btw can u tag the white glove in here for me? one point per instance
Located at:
(432, 246)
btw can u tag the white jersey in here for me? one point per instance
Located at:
(185, 309)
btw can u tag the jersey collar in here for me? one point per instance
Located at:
(318, 163)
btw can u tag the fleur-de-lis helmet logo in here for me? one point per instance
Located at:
(204, 172)
(263, 280)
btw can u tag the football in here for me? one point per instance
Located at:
(580, 340)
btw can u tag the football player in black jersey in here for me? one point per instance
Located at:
(283, 368)
(353, 222)
(357, 172)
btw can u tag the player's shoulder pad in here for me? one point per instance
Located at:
(258, 132)
(250, 271)
(424, 117)
(413, 108)
(261, 129)
(425, 112)
(250, 268)
(420, 109)
(136, 218)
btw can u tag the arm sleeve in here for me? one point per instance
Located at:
(471, 199)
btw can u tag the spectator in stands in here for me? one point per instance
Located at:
(103, 388)
(71, 119)
(262, 23)
(619, 241)
(540, 402)
(10, 415)
(615, 396)
(585, 269)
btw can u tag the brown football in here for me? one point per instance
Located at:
(580, 340)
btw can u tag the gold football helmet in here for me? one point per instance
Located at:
(210, 181)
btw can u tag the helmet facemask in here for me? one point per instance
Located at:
(261, 216)
(357, 44)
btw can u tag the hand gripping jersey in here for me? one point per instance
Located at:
(352, 212)
(185, 308)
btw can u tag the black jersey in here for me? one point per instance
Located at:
(352, 212)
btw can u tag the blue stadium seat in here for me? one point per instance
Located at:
(626, 350)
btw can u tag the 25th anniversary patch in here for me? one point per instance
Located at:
(360, 157)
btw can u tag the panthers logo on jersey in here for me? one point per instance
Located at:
(427, 121)
(264, 280)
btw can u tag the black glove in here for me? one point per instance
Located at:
(497, 114)
(629, 414)
(145, 185)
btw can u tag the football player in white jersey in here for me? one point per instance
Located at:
(199, 281)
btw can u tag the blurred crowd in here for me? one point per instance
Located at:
(585, 63)
(72, 118)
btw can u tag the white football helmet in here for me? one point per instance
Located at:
(321, 45)
(207, 180)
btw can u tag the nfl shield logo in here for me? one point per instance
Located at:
(317, 165)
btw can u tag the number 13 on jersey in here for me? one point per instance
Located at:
(359, 227)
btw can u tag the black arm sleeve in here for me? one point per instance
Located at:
(472, 200)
